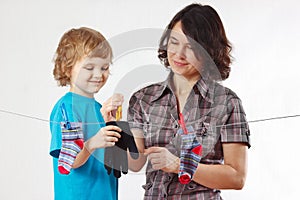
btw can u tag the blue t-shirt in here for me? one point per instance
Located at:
(90, 181)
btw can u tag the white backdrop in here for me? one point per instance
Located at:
(265, 35)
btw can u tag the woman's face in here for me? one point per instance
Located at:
(180, 54)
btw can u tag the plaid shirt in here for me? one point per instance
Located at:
(214, 112)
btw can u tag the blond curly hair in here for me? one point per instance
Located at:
(73, 46)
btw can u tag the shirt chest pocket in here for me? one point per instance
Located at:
(206, 136)
(159, 127)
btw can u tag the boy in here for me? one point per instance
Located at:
(78, 130)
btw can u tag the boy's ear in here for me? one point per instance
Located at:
(68, 73)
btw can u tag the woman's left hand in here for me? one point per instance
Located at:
(109, 107)
(162, 159)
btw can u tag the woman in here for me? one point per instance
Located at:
(191, 105)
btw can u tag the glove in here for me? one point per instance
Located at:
(115, 158)
(190, 155)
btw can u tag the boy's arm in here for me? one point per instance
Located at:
(106, 137)
(82, 156)
(136, 165)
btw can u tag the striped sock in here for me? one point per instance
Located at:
(72, 143)
(190, 156)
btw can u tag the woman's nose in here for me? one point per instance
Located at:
(179, 51)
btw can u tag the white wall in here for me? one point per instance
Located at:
(265, 35)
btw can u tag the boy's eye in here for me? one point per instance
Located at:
(105, 68)
(89, 67)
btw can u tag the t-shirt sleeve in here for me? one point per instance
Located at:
(56, 139)
(56, 119)
(235, 127)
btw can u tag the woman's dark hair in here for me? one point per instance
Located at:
(205, 31)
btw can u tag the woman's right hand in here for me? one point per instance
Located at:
(162, 159)
(106, 137)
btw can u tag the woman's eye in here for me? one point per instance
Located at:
(173, 42)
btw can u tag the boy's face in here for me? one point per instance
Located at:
(89, 75)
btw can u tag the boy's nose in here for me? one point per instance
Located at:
(98, 73)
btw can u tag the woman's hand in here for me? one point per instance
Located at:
(162, 159)
(109, 107)
(106, 137)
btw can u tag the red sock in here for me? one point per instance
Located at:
(197, 150)
(79, 142)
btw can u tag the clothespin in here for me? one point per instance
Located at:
(182, 123)
(65, 116)
(119, 113)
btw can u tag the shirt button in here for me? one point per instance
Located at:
(191, 186)
(168, 179)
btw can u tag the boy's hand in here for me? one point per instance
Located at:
(106, 137)
(110, 106)
(115, 158)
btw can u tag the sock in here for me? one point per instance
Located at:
(190, 156)
(72, 143)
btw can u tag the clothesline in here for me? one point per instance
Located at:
(154, 125)
(142, 172)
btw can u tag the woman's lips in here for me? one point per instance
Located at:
(180, 64)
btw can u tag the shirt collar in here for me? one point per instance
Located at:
(205, 88)
(162, 86)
